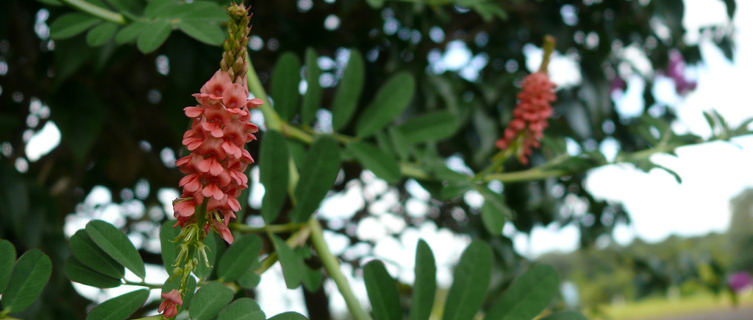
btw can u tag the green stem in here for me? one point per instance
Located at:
(274, 228)
(297, 239)
(524, 175)
(143, 284)
(96, 11)
(333, 268)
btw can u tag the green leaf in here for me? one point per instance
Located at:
(101, 34)
(90, 255)
(116, 245)
(273, 174)
(528, 295)
(209, 300)
(78, 272)
(250, 279)
(206, 32)
(321, 165)
(288, 316)
(167, 235)
(382, 291)
(433, 126)
(120, 307)
(312, 279)
(390, 101)
(493, 219)
(158, 8)
(565, 315)
(242, 309)
(496, 207)
(376, 160)
(471, 279)
(53, 3)
(130, 32)
(236, 260)
(348, 91)
(313, 96)
(158, 31)
(284, 87)
(31, 273)
(426, 283)
(292, 264)
(7, 260)
(71, 24)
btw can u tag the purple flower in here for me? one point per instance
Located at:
(676, 72)
(739, 281)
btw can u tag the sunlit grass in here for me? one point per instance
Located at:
(661, 307)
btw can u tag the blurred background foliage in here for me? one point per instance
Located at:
(119, 113)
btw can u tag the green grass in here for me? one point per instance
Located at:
(661, 307)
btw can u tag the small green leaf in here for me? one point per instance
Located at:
(7, 260)
(206, 32)
(120, 307)
(78, 272)
(292, 264)
(209, 300)
(312, 279)
(236, 260)
(284, 87)
(130, 32)
(376, 160)
(565, 315)
(321, 165)
(348, 91)
(250, 279)
(433, 126)
(312, 98)
(288, 316)
(528, 295)
(492, 218)
(273, 174)
(426, 283)
(157, 8)
(242, 309)
(390, 101)
(71, 24)
(167, 235)
(90, 255)
(158, 31)
(101, 34)
(471, 279)
(31, 273)
(496, 208)
(382, 291)
(116, 245)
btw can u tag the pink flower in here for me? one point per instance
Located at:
(169, 307)
(530, 115)
(215, 169)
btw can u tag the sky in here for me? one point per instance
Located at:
(658, 206)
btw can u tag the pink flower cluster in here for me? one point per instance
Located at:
(215, 168)
(530, 115)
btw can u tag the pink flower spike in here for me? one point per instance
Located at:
(218, 84)
(224, 231)
(234, 204)
(234, 97)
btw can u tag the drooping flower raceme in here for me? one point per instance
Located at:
(530, 115)
(215, 168)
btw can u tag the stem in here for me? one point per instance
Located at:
(143, 284)
(274, 228)
(96, 11)
(548, 46)
(333, 268)
(296, 240)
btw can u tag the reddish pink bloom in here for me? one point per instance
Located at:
(169, 307)
(530, 115)
(215, 168)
